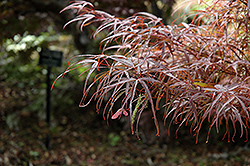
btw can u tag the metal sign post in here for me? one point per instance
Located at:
(49, 58)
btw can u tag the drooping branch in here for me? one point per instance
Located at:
(199, 70)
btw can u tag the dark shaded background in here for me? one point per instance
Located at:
(80, 136)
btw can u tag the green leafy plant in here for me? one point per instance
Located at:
(23, 81)
(200, 71)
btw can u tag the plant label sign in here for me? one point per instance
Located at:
(50, 58)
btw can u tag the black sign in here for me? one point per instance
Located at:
(50, 58)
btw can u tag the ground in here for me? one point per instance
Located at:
(82, 137)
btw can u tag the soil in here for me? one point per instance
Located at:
(83, 137)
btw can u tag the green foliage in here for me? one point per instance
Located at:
(23, 81)
(136, 108)
(28, 43)
(199, 70)
(113, 138)
(34, 153)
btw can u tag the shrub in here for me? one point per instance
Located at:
(199, 71)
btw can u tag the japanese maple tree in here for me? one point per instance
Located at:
(192, 73)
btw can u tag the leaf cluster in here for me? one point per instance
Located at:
(199, 71)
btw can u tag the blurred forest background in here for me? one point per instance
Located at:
(80, 136)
